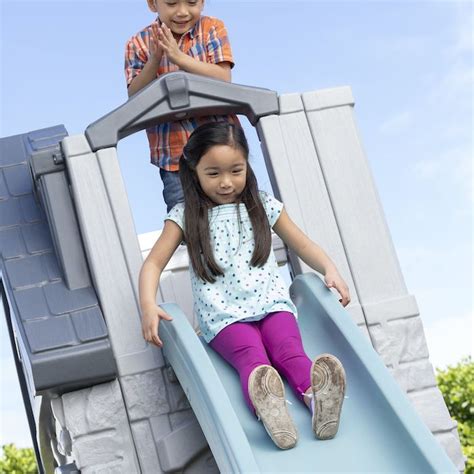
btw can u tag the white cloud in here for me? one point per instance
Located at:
(451, 169)
(14, 428)
(397, 123)
(450, 339)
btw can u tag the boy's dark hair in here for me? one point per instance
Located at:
(197, 204)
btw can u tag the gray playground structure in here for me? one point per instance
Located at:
(99, 399)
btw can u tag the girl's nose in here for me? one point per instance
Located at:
(225, 182)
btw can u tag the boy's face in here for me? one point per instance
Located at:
(179, 15)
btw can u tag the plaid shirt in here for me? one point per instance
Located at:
(207, 41)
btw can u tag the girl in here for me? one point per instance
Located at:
(242, 303)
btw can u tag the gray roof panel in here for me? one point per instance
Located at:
(62, 336)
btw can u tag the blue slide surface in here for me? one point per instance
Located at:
(379, 430)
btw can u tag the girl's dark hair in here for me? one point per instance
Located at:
(197, 204)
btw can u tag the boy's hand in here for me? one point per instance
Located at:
(156, 51)
(150, 321)
(334, 280)
(168, 44)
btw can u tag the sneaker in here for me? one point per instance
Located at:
(328, 384)
(267, 393)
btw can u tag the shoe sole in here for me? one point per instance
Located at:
(328, 383)
(267, 393)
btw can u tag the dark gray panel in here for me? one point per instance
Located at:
(38, 140)
(71, 368)
(179, 95)
(26, 271)
(18, 180)
(3, 187)
(32, 303)
(30, 209)
(62, 300)
(56, 353)
(11, 243)
(37, 238)
(10, 213)
(51, 333)
(12, 151)
(89, 324)
(50, 263)
(64, 229)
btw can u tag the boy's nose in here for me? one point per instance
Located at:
(182, 9)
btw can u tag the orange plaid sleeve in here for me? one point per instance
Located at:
(218, 48)
(136, 54)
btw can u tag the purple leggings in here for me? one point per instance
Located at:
(274, 340)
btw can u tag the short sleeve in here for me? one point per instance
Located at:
(272, 206)
(136, 57)
(218, 48)
(177, 215)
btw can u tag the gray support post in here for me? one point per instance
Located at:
(392, 315)
(296, 176)
(155, 406)
(106, 255)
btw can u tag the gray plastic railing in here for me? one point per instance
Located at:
(176, 96)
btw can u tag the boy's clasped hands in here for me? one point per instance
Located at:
(163, 41)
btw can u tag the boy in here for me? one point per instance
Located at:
(180, 39)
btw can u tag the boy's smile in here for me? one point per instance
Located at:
(222, 173)
(179, 15)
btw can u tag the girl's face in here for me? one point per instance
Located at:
(222, 173)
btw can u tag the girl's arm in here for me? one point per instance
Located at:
(150, 273)
(312, 254)
(187, 63)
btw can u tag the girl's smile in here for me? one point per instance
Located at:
(222, 173)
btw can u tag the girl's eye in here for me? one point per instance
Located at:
(237, 171)
(212, 174)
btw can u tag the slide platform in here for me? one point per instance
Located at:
(379, 429)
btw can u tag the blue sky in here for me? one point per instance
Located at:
(410, 67)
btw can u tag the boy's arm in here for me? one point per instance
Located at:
(217, 71)
(150, 70)
(147, 75)
(311, 253)
(150, 274)
(187, 63)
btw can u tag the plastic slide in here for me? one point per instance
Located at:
(379, 430)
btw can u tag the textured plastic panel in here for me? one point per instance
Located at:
(180, 446)
(176, 96)
(379, 430)
(112, 250)
(61, 333)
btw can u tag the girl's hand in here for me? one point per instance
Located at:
(150, 321)
(156, 51)
(334, 280)
(168, 44)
